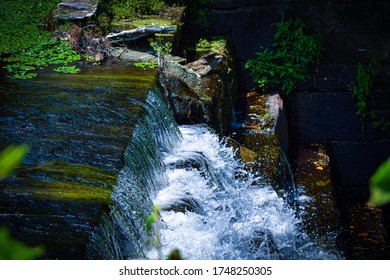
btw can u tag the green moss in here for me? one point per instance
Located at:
(72, 192)
(267, 148)
(65, 181)
(83, 173)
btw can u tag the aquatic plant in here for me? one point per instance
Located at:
(25, 40)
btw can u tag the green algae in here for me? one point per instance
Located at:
(65, 181)
(73, 192)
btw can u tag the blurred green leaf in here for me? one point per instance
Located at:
(175, 255)
(12, 249)
(380, 185)
(10, 159)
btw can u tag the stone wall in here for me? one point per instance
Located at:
(323, 110)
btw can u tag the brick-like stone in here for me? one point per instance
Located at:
(323, 116)
(357, 161)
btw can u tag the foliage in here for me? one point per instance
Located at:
(10, 159)
(361, 90)
(380, 185)
(153, 219)
(146, 65)
(161, 49)
(132, 8)
(46, 52)
(24, 44)
(12, 249)
(174, 255)
(287, 63)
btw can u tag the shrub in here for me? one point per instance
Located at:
(286, 64)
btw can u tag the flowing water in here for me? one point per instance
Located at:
(107, 132)
(211, 206)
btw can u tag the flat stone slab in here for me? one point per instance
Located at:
(76, 9)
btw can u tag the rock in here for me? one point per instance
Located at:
(324, 116)
(75, 9)
(210, 84)
(206, 64)
(140, 32)
(184, 74)
(126, 54)
(265, 133)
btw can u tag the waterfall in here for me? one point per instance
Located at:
(211, 206)
(122, 233)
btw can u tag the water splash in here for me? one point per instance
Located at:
(214, 209)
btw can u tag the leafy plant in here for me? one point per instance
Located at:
(153, 219)
(362, 87)
(10, 248)
(361, 90)
(161, 49)
(67, 69)
(380, 185)
(286, 64)
(10, 159)
(146, 65)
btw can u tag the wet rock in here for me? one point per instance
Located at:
(75, 9)
(140, 32)
(265, 133)
(129, 55)
(211, 84)
(185, 205)
(313, 174)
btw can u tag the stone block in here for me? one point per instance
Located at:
(329, 77)
(320, 216)
(356, 162)
(323, 116)
(266, 135)
(253, 30)
(219, 22)
(364, 16)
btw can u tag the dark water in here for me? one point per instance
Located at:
(78, 128)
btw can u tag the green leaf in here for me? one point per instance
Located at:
(12, 249)
(10, 159)
(380, 185)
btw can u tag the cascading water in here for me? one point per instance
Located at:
(212, 207)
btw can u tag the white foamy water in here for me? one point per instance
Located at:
(215, 209)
